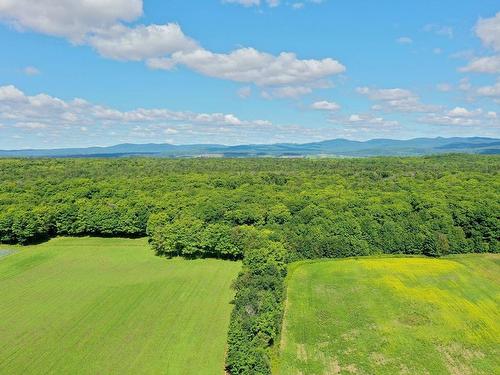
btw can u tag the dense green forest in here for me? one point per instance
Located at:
(267, 212)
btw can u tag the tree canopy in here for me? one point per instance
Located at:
(267, 212)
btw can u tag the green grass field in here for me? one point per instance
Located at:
(109, 306)
(393, 316)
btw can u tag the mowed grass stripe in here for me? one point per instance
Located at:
(109, 306)
(393, 316)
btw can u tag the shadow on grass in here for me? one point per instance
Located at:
(45, 238)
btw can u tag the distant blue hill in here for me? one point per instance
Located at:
(334, 147)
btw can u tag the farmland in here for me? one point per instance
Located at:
(109, 306)
(261, 215)
(393, 315)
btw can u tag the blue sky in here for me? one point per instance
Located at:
(76, 73)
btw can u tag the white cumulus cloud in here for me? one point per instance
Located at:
(251, 65)
(271, 3)
(325, 105)
(490, 91)
(49, 111)
(31, 71)
(103, 25)
(488, 30)
(404, 40)
(141, 42)
(487, 64)
(72, 19)
(394, 99)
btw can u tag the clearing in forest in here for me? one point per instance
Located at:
(393, 316)
(109, 306)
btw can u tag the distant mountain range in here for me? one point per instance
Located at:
(335, 147)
